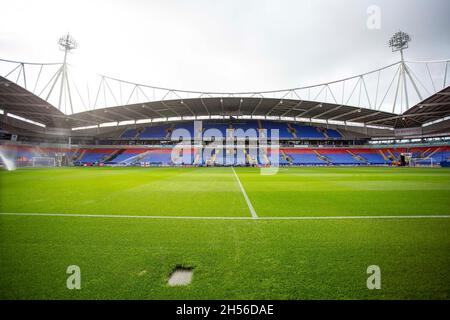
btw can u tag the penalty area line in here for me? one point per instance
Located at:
(224, 218)
(249, 204)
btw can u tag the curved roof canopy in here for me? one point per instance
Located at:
(19, 101)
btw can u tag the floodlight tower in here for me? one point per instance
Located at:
(399, 42)
(67, 43)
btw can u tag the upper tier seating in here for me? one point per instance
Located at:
(130, 133)
(189, 126)
(245, 127)
(283, 129)
(222, 127)
(304, 131)
(333, 134)
(156, 132)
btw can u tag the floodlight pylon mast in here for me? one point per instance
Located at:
(67, 43)
(399, 42)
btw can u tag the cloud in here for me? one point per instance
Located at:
(223, 45)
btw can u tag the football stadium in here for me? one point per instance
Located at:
(337, 190)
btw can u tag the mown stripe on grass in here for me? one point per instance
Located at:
(222, 218)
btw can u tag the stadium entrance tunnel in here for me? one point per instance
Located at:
(181, 276)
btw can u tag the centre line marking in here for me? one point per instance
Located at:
(249, 204)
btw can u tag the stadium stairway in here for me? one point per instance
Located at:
(156, 132)
(134, 158)
(358, 157)
(424, 153)
(292, 130)
(384, 156)
(285, 159)
(212, 159)
(113, 155)
(283, 129)
(124, 156)
(94, 155)
(333, 134)
(324, 132)
(250, 160)
(435, 151)
(306, 158)
(373, 157)
(129, 134)
(340, 157)
(138, 133)
(322, 157)
(197, 158)
(265, 159)
(180, 156)
(78, 156)
(391, 155)
(218, 156)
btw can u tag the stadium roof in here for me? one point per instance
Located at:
(432, 108)
(18, 101)
(435, 107)
(231, 106)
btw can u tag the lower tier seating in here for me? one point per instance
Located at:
(214, 156)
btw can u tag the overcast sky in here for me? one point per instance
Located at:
(228, 45)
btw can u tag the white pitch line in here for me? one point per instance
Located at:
(222, 218)
(249, 204)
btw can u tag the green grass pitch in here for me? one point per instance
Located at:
(273, 257)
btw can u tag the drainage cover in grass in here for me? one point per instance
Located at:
(181, 276)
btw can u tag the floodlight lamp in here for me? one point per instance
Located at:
(67, 42)
(399, 41)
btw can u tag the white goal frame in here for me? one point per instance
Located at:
(51, 161)
(419, 162)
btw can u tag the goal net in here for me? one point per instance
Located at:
(44, 162)
(423, 162)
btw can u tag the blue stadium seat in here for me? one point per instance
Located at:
(90, 157)
(306, 158)
(304, 131)
(155, 132)
(157, 158)
(373, 157)
(342, 158)
(283, 129)
(129, 134)
(333, 134)
(222, 127)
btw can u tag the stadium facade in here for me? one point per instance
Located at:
(225, 129)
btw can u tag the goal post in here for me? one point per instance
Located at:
(44, 162)
(421, 162)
